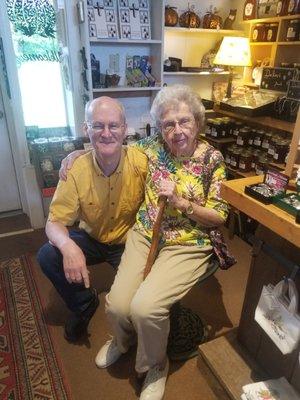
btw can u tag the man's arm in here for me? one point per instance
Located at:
(74, 262)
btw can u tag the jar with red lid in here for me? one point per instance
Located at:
(259, 33)
(293, 30)
(271, 32)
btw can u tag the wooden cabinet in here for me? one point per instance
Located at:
(276, 52)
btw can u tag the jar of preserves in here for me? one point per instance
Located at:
(216, 128)
(293, 30)
(281, 7)
(293, 7)
(251, 137)
(255, 156)
(271, 32)
(266, 141)
(227, 155)
(272, 145)
(281, 151)
(258, 138)
(249, 9)
(243, 137)
(245, 161)
(209, 126)
(235, 157)
(238, 126)
(261, 165)
(259, 33)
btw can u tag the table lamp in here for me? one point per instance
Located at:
(234, 52)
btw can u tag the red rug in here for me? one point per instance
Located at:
(29, 366)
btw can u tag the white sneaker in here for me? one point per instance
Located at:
(154, 384)
(108, 354)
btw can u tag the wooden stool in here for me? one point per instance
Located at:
(187, 330)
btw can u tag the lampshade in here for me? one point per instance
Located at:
(234, 51)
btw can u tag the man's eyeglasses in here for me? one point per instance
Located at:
(170, 126)
(99, 128)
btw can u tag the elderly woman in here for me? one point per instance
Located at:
(188, 172)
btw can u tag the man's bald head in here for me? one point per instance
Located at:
(104, 102)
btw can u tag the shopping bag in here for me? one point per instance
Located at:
(277, 314)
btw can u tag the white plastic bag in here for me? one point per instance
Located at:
(277, 314)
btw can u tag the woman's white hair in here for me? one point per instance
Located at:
(170, 97)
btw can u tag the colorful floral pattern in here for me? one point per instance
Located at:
(198, 179)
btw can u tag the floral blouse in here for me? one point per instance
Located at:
(198, 179)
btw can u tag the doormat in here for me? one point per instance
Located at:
(29, 364)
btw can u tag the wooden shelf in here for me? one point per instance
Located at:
(274, 218)
(228, 32)
(182, 73)
(262, 43)
(295, 43)
(271, 19)
(126, 89)
(124, 41)
(267, 122)
(240, 174)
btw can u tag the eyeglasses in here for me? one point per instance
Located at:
(170, 126)
(99, 127)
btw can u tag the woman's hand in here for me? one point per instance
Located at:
(169, 190)
(68, 162)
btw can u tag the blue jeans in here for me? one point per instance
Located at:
(76, 296)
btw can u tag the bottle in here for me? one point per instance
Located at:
(249, 9)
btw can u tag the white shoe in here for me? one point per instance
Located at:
(108, 354)
(154, 384)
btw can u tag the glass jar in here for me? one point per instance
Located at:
(259, 33)
(209, 126)
(258, 138)
(243, 137)
(235, 156)
(245, 161)
(261, 165)
(271, 32)
(255, 156)
(293, 7)
(227, 155)
(249, 9)
(238, 125)
(251, 137)
(281, 7)
(293, 30)
(281, 150)
(266, 141)
(272, 145)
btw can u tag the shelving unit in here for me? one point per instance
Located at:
(278, 51)
(136, 100)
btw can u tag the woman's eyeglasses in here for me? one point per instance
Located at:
(170, 126)
(99, 128)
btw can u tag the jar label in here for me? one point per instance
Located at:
(240, 141)
(214, 133)
(233, 163)
(242, 166)
(265, 144)
(269, 35)
(271, 151)
(291, 6)
(275, 156)
(235, 132)
(255, 34)
(248, 9)
(279, 7)
(257, 142)
(250, 141)
(253, 165)
(291, 33)
(227, 159)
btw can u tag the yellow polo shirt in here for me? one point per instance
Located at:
(105, 206)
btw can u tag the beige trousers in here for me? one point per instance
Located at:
(140, 307)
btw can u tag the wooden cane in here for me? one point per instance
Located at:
(155, 236)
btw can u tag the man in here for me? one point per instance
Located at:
(104, 190)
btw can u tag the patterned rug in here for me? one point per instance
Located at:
(29, 367)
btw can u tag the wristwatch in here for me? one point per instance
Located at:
(189, 209)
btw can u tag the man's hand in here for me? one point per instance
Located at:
(74, 263)
(68, 162)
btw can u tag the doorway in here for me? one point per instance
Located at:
(9, 190)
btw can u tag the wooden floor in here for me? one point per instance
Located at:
(13, 222)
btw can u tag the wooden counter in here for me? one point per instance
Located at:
(272, 217)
